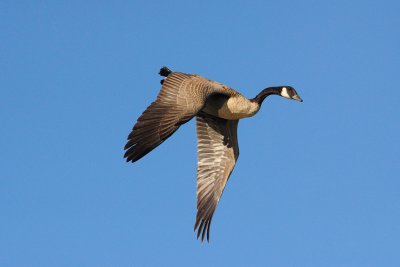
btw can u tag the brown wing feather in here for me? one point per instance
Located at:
(217, 154)
(181, 97)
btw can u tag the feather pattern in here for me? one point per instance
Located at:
(181, 97)
(217, 108)
(218, 152)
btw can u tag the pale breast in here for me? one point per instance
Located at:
(231, 108)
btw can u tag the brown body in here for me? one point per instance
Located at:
(217, 109)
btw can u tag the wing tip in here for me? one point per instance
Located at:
(202, 227)
(130, 155)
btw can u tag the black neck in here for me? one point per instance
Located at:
(267, 92)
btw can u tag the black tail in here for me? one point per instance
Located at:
(164, 71)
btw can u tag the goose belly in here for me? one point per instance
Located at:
(232, 108)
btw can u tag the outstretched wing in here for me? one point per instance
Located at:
(181, 97)
(218, 152)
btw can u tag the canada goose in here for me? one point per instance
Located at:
(218, 109)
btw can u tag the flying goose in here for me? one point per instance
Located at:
(218, 109)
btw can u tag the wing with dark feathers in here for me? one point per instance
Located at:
(181, 97)
(218, 152)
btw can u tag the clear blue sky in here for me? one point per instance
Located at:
(317, 183)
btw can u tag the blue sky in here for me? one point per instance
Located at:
(317, 183)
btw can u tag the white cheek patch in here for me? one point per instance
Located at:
(285, 93)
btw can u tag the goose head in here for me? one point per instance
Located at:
(284, 91)
(290, 93)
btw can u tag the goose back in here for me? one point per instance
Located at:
(181, 97)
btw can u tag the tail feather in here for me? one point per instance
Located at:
(164, 71)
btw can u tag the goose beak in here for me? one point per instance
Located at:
(298, 98)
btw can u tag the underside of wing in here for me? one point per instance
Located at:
(217, 154)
